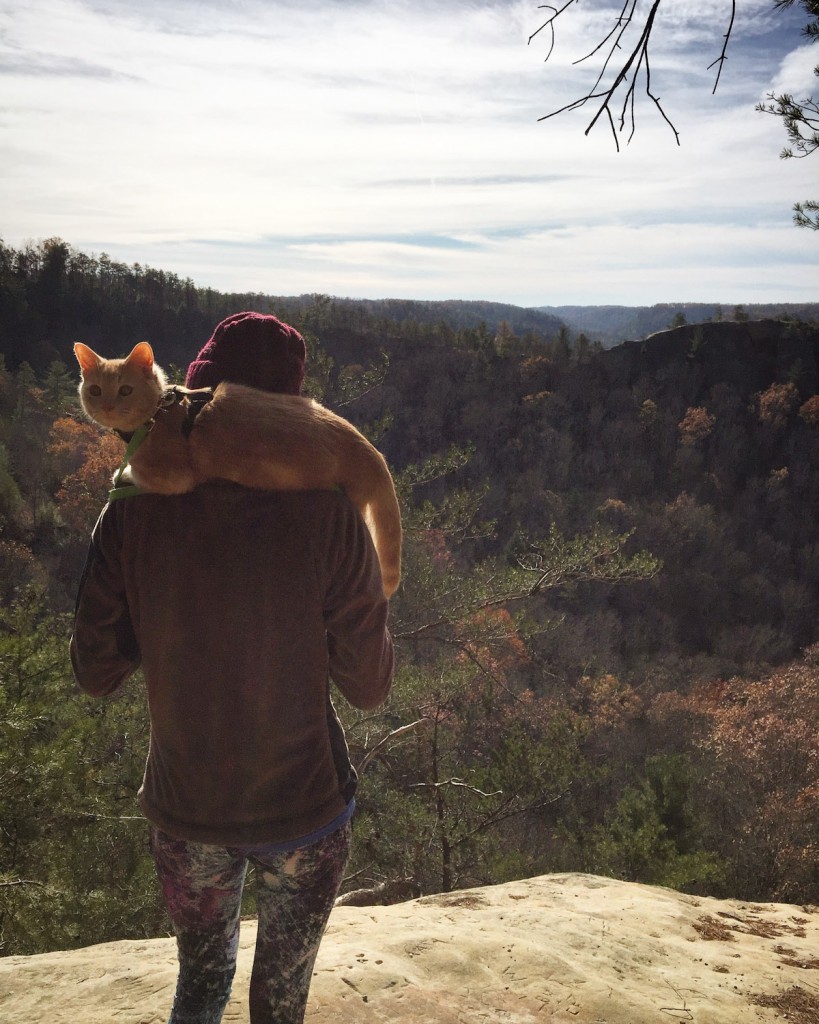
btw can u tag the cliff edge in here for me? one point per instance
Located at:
(558, 948)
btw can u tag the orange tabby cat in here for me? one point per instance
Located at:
(256, 438)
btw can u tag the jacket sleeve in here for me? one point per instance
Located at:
(359, 642)
(104, 650)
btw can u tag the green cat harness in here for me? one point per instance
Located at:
(121, 490)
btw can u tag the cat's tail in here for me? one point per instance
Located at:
(382, 514)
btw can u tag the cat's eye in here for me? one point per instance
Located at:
(126, 390)
(95, 390)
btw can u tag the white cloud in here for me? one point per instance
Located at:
(797, 73)
(617, 264)
(308, 143)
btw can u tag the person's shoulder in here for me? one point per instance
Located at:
(223, 497)
(319, 502)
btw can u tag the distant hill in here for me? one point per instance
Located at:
(748, 356)
(52, 295)
(458, 313)
(613, 324)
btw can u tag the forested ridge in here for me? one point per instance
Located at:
(606, 632)
(611, 325)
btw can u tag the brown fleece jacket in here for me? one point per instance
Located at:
(240, 606)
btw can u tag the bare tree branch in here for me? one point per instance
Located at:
(505, 812)
(383, 742)
(636, 64)
(459, 783)
(724, 55)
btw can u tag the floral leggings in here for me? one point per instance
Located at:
(202, 886)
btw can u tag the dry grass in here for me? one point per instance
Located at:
(712, 930)
(722, 931)
(805, 965)
(795, 1004)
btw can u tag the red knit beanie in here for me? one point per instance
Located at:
(253, 349)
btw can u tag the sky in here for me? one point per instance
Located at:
(401, 150)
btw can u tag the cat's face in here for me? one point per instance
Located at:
(120, 394)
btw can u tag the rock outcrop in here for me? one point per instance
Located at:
(559, 948)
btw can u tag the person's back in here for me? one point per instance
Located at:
(231, 594)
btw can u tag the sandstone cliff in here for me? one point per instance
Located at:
(559, 948)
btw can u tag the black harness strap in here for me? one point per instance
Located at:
(197, 400)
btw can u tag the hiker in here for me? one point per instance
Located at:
(240, 606)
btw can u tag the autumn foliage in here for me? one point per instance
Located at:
(87, 457)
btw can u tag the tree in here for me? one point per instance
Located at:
(85, 457)
(27, 446)
(467, 758)
(72, 867)
(653, 833)
(800, 119)
(696, 426)
(776, 404)
(758, 792)
(9, 491)
(59, 389)
(623, 55)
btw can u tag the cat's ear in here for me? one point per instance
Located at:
(86, 357)
(141, 356)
